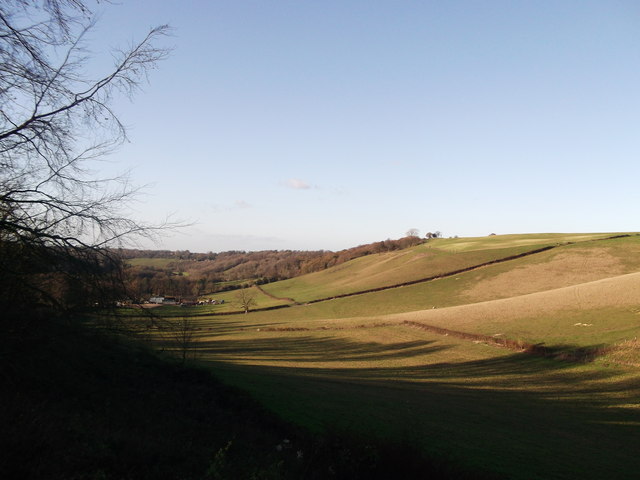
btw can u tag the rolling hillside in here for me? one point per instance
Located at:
(586, 258)
(517, 355)
(437, 257)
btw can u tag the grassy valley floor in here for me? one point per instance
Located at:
(486, 407)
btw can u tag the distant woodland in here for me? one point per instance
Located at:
(185, 274)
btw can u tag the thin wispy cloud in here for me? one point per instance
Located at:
(297, 184)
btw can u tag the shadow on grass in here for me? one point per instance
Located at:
(316, 349)
(515, 414)
(205, 329)
(80, 405)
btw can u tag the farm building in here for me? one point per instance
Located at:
(164, 300)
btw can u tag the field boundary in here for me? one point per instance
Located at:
(580, 354)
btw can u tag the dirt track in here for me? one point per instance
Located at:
(284, 299)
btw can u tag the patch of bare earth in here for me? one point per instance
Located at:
(564, 269)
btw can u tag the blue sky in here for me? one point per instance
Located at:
(324, 125)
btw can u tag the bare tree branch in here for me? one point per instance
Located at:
(54, 118)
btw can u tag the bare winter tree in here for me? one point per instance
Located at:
(246, 298)
(412, 232)
(183, 330)
(56, 218)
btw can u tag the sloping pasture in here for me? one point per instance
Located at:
(385, 269)
(151, 262)
(361, 364)
(442, 256)
(483, 406)
(560, 267)
(514, 240)
(600, 312)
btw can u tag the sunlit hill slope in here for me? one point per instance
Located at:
(513, 354)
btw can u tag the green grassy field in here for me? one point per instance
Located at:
(385, 269)
(354, 363)
(565, 266)
(483, 406)
(231, 304)
(151, 262)
(436, 257)
(510, 241)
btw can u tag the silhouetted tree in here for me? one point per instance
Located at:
(56, 219)
(182, 331)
